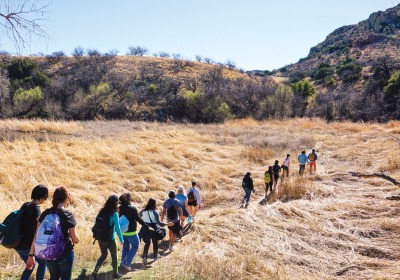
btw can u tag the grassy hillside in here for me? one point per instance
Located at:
(317, 227)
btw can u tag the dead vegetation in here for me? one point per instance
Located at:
(326, 226)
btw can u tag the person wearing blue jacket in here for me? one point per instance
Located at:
(110, 209)
(302, 159)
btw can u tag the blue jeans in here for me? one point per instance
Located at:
(26, 275)
(130, 248)
(62, 267)
(247, 193)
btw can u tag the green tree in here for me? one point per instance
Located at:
(392, 91)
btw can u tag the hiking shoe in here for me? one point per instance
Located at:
(117, 276)
(171, 248)
(144, 260)
(157, 257)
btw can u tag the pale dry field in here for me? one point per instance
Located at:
(326, 226)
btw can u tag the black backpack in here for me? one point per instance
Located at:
(276, 168)
(171, 212)
(191, 196)
(102, 230)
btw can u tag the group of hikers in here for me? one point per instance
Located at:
(272, 175)
(47, 238)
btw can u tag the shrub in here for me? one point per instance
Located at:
(32, 95)
(349, 72)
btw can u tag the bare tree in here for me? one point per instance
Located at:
(22, 19)
(137, 51)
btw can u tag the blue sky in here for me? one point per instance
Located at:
(255, 34)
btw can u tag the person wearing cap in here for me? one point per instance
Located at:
(269, 180)
(248, 187)
(110, 209)
(181, 196)
(285, 166)
(312, 158)
(131, 237)
(173, 210)
(302, 159)
(194, 201)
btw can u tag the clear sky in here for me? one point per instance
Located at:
(255, 34)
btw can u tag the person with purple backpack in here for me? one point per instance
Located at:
(64, 231)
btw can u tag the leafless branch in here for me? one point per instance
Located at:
(22, 19)
(383, 176)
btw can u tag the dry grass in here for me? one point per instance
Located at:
(313, 228)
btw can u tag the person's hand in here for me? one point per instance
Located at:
(30, 263)
(170, 224)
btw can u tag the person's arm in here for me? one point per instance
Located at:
(163, 213)
(117, 227)
(198, 197)
(30, 262)
(137, 218)
(74, 235)
(180, 211)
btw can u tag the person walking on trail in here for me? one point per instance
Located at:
(110, 213)
(173, 210)
(194, 201)
(29, 223)
(181, 196)
(130, 236)
(61, 267)
(302, 159)
(268, 180)
(286, 166)
(312, 158)
(276, 168)
(152, 218)
(248, 187)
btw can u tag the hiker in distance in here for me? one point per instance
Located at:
(312, 158)
(128, 218)
(268, 180)
(285, 166)
(194, 201)
(248, 187)
(29, 223)
(181, 196)
(302, 159)
(173, 210)
(108, 220)
(276, 168)
(151, 217)
(63, 237)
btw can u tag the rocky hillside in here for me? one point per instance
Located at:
(355, 63)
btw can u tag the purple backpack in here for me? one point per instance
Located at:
(49, 242)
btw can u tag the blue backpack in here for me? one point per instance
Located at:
(10, 229)
(124, 223)
(49, 242)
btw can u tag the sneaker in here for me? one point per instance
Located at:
(171, 248)
(125, 267)
(144, 260)
(189, 219)
(117, 276)
(158, 256)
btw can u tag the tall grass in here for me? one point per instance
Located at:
(311, 229)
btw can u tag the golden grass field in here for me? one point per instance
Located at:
(326, 226)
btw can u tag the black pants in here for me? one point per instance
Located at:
(269, 185)
(104, 248)
(149, 237)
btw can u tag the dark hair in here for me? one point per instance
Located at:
(276, 161)
(111, 205)
(288, 155)
(39, 192)
(171, 194)
(248, 174)
(60, 195)
(193, 184)
(125, 198)
(151, 205)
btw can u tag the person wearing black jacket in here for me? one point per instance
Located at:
(131, 237)
(248, 187)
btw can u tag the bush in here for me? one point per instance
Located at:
(349, 72)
